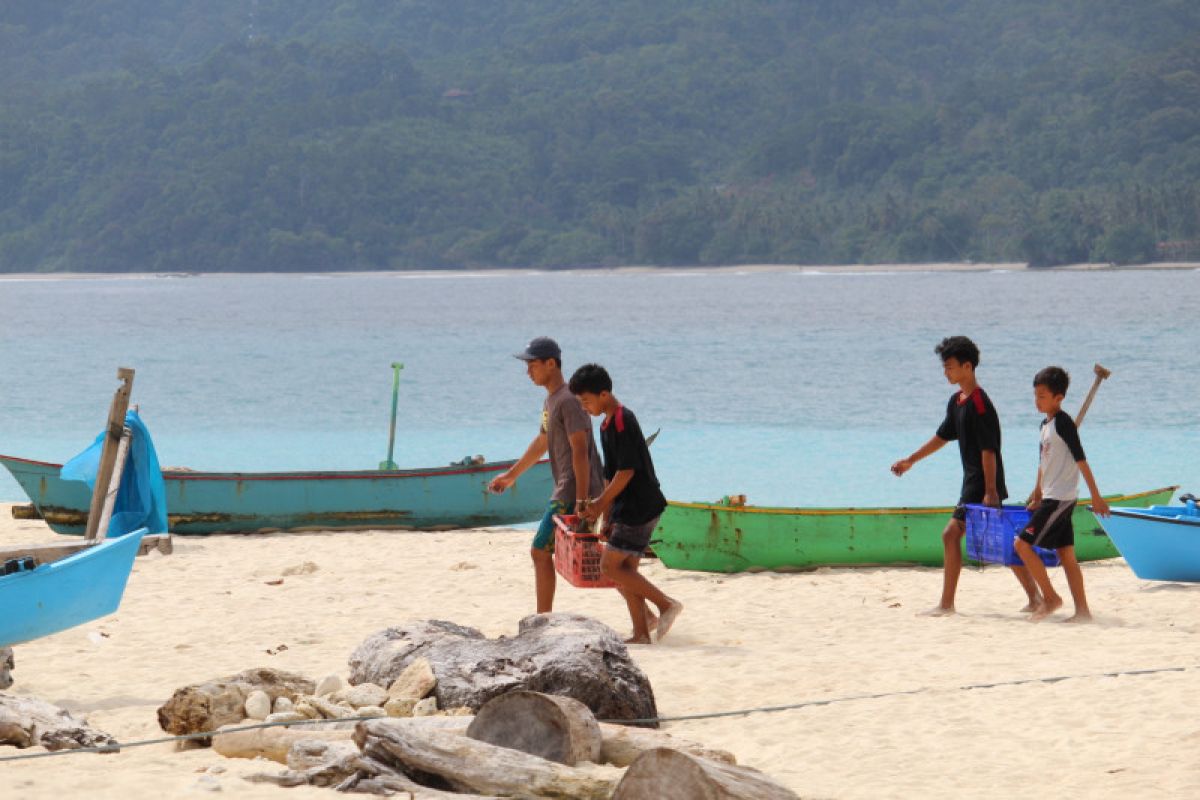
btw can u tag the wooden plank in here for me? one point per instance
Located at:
(114, 484)
(47, 553)
(108, 455)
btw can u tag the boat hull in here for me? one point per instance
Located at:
(1161, 543)
(215, 502)
(722, 538)
(71, 591)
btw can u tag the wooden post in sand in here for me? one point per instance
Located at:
(113, 432)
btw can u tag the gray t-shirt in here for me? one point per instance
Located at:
(562, 415)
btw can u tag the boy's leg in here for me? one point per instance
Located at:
(1074, 574)
(1050, 602)
(650, 616)
(542, 553)
(620, 563)
(1029, 585)
(952, 566)
(611, 564)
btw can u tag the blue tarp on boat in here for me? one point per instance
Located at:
(141, 499)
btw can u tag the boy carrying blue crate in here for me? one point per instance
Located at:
(1053, 499)
(632, 500)
(972, 421)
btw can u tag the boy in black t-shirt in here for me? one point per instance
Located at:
(971, 419)
(632, 500)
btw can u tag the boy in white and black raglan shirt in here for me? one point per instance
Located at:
(1053, 500)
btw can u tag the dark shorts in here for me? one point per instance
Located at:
(1050, 526)
(544, 538)
(631, 539)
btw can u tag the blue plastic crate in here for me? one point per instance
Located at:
(990, 534)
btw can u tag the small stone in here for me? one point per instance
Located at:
(399, 707)
(258, 704)
(416, 681)
(425, 708)
(458, 711)
(365, 694)
(301, 569)
(288, 716)
(282, 704)
(330, 684)
(330, 710)
(207, 783)
(215, 769)
(370, 711)
(304, 708)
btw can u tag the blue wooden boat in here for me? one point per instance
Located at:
(71, 591)
(1160, 543)
(439, 498)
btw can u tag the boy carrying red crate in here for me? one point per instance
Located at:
(1053, 499)
(633, 502)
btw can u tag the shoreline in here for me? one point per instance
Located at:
(814, 269)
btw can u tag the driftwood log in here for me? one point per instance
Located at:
(557, 729)
(451, 762)
(664, 774)
(274, 743)
(7, 664)
(558, 654)
(25, 722)
(208, 706)
(623, 744)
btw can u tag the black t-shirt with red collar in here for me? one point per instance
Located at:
(625, 447)
(974, 423)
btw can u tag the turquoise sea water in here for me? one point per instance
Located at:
(794, 388)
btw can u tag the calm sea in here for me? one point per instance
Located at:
(794, 388)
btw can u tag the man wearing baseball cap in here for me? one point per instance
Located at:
(566, 433)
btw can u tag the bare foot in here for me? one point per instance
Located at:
(1046, 608)
(667, 619)
(938, 611)
(638, 639)
(1031, 606)
(1080, 617)
(651, 620)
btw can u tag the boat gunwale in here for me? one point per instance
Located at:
(368, 474)
(1143, 514)
(875, 511)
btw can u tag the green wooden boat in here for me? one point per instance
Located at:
(723, 537)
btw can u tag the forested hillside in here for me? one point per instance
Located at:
(307, 134)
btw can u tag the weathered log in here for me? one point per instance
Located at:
(559, 654)
(373, 777)
(449, 761)
(558, 729)
(665, 774)
(7, 663)
(208, 706)
(25, 722)
(622, 744)
(273, 743)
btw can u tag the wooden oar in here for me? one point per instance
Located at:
(1101, 374)
(390, 464)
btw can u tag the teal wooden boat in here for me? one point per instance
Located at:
(439, 498)
(55, 596)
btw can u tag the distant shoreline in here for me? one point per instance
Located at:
(633, 270)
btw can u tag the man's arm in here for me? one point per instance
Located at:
(537, 448)
(1099, 504)
(581, 467)
(905, 464)
(991, 497)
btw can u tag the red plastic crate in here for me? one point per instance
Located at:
(577, 554)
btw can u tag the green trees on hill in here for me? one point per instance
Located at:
(366, 134)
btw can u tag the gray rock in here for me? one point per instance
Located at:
(27, 722)
(7, 663)
(561, 654)
(329, 684)
(365, 694)
(208, 706)
(258, 704)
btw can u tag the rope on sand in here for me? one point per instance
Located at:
(115, 748)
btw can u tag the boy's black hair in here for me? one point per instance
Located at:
(590, 378)
(1055, 379)
(959, 348)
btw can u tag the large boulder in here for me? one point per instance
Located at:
(209, 705)
(559, 654)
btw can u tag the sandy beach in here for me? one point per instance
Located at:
(907, 712)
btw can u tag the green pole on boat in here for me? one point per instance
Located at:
(389, 464)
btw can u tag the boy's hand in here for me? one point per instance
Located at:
(500, 483)
(902, 466)
(1035, 500)
(991, 498)
(1100, 507)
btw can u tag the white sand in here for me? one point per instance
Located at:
(743, 641)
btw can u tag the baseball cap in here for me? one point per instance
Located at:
(541, 348)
